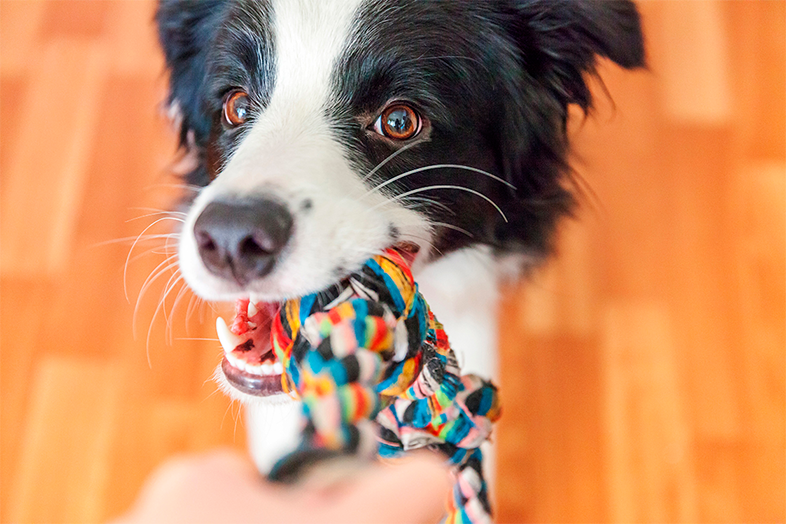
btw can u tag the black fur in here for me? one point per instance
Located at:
(494, 79)
(186, 29)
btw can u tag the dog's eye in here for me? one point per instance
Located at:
(236, 108)
(399, 122)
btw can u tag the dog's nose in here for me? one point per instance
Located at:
(241, 240)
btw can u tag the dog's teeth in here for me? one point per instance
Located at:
(239, 364)
(229, 340)
(252, 309)
(266, 369)
(278, 368)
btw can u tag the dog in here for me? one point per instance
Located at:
(324, 131)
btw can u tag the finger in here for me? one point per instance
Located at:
(414, 490)
(219, 486)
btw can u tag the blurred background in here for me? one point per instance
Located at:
(642, 369)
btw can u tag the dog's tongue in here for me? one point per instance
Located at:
(246, 341)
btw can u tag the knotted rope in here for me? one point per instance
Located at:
(376, 374)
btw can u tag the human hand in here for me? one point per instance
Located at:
(221, 486)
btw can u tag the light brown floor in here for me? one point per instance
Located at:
(643, 370)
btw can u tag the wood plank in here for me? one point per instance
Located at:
(113, 193)
(64, 120)
(698, 176)
(759, 197)
(20, 30)
(560, 299)
(695, 62)
(131, 35)
(550, 444)
(757, 35)
(717, 476)
(629, 193)
(156, 425)
(649, 440)
(21, 326)
(62, 472)
(61, 20)
(12, 91)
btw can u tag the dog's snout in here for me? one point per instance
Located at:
(240, 241)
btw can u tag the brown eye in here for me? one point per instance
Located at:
(236, 108)
(399, 122)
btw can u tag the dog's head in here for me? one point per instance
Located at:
(327, 130)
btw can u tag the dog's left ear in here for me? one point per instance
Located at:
(559, 41)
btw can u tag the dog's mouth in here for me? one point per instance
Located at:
(249, 363)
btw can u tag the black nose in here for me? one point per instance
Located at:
(241, 240)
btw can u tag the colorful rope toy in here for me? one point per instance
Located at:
(376, 374)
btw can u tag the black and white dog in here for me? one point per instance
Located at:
(327, 130)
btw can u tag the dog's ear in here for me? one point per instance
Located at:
(186, 29)
(560, 40)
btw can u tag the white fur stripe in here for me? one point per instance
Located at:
(309, 37)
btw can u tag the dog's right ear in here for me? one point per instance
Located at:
(186, 29)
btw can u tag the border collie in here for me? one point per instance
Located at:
(323, 131)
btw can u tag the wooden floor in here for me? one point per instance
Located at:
(643, 370)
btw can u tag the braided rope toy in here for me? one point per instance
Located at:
(376, 374)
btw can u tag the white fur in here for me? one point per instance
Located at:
(462, 290)
(290, 155)
(273, 430)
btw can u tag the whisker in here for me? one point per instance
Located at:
(159, 210)
(125, 269)
(168, 287)
(439, 166)
(126, 240)
(193, 303)
(231, 403)
(453, 227)
(163, 210)
(151, 251)
(169, 333)
(237, 417)
(215, 390)
(386, 160)
(157, 273)
(167, 246)
(431, 202)
(184, 289)
(444, 186)
(443, 57)
(426, 242)
(168, 215)
(159, 308)
(188, 187)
